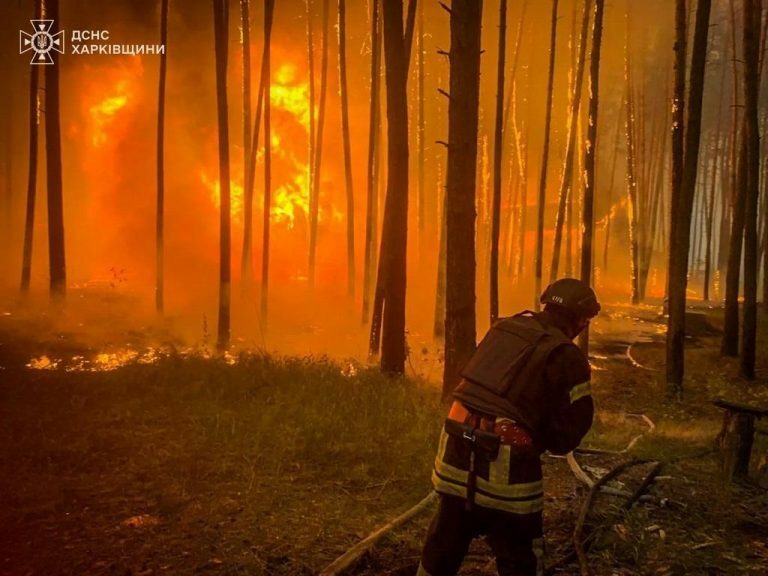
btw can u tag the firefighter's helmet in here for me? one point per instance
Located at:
(573, 295)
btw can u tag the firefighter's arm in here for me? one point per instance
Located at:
(570, 418)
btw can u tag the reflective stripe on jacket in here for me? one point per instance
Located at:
(511, 483)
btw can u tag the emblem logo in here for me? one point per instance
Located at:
(41, 42)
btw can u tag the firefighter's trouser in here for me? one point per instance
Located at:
(515, 539)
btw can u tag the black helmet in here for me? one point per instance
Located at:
(573, 295)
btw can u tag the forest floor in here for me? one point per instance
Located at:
(144, 461)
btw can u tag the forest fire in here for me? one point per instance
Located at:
(249, 257)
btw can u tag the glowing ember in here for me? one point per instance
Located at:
(43, 363)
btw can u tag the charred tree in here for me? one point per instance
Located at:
(498, 143)
(545, 157)
(57, 264)
(221, 42)
(314, 203)
(632, 195)
(421, 130)
(566, 182)
(589, 157)
(752, 20)
(390, 289)
(246, 267)
(730, 342)
(463, 110)
(718, 154)
(680, 231)
(269, 8)
(347, 148)
(160, 216)
(29, 220)
(371, 211)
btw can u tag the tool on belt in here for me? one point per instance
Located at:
(483, 436)
(481, 443)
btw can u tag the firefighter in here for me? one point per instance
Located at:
(525, 390)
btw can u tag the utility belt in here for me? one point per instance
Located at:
(484, 435)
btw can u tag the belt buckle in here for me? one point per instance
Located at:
(468, 436)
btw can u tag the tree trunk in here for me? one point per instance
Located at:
(347, 149)
(730, 342)
(545, 157)
(463, 109)
(438, 328)
(752, 20)
(633, 208)
(314, 204)
(29, 221)
(246, 268)
(681, 225)
(312, 125)
(498, 143)
(609, 214)
(392, 260)
(269, 8)
(221, 33)
(56, 254)
(371, 211)
(566, 182)
(589, 158)
(719, 154)
(160, 216)
(420, 134)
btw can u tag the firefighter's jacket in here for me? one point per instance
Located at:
(528, 371)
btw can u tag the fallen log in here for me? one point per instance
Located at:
(352, 555)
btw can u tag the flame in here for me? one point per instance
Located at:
(290, 194)
(103, 113)
(288, 95)
(235, 192)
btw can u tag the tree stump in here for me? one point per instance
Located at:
(736, 438)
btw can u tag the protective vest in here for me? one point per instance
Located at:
(506, 375)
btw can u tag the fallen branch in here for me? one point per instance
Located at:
(351, 556)
(643, 486)
(586, 507)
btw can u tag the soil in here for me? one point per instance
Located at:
(181, 464)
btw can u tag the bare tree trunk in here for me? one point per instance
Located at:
(314, 204)
(633, 208)
(680, 230)
(566, 182)
(221, 33)
(589, 158)
(466, 19)
(713, 188)
(347, 149)
(730, 342)
(523, 215)
(29, 221)
(312, 120)
(609, 215)
(438, 329)
(246, 267)
(269, 8)
(373, 145)
(752, 21)
(56, 253)
(392, 259)
(498, 144)
(420, 134)
(545, 158)
(160, 216)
